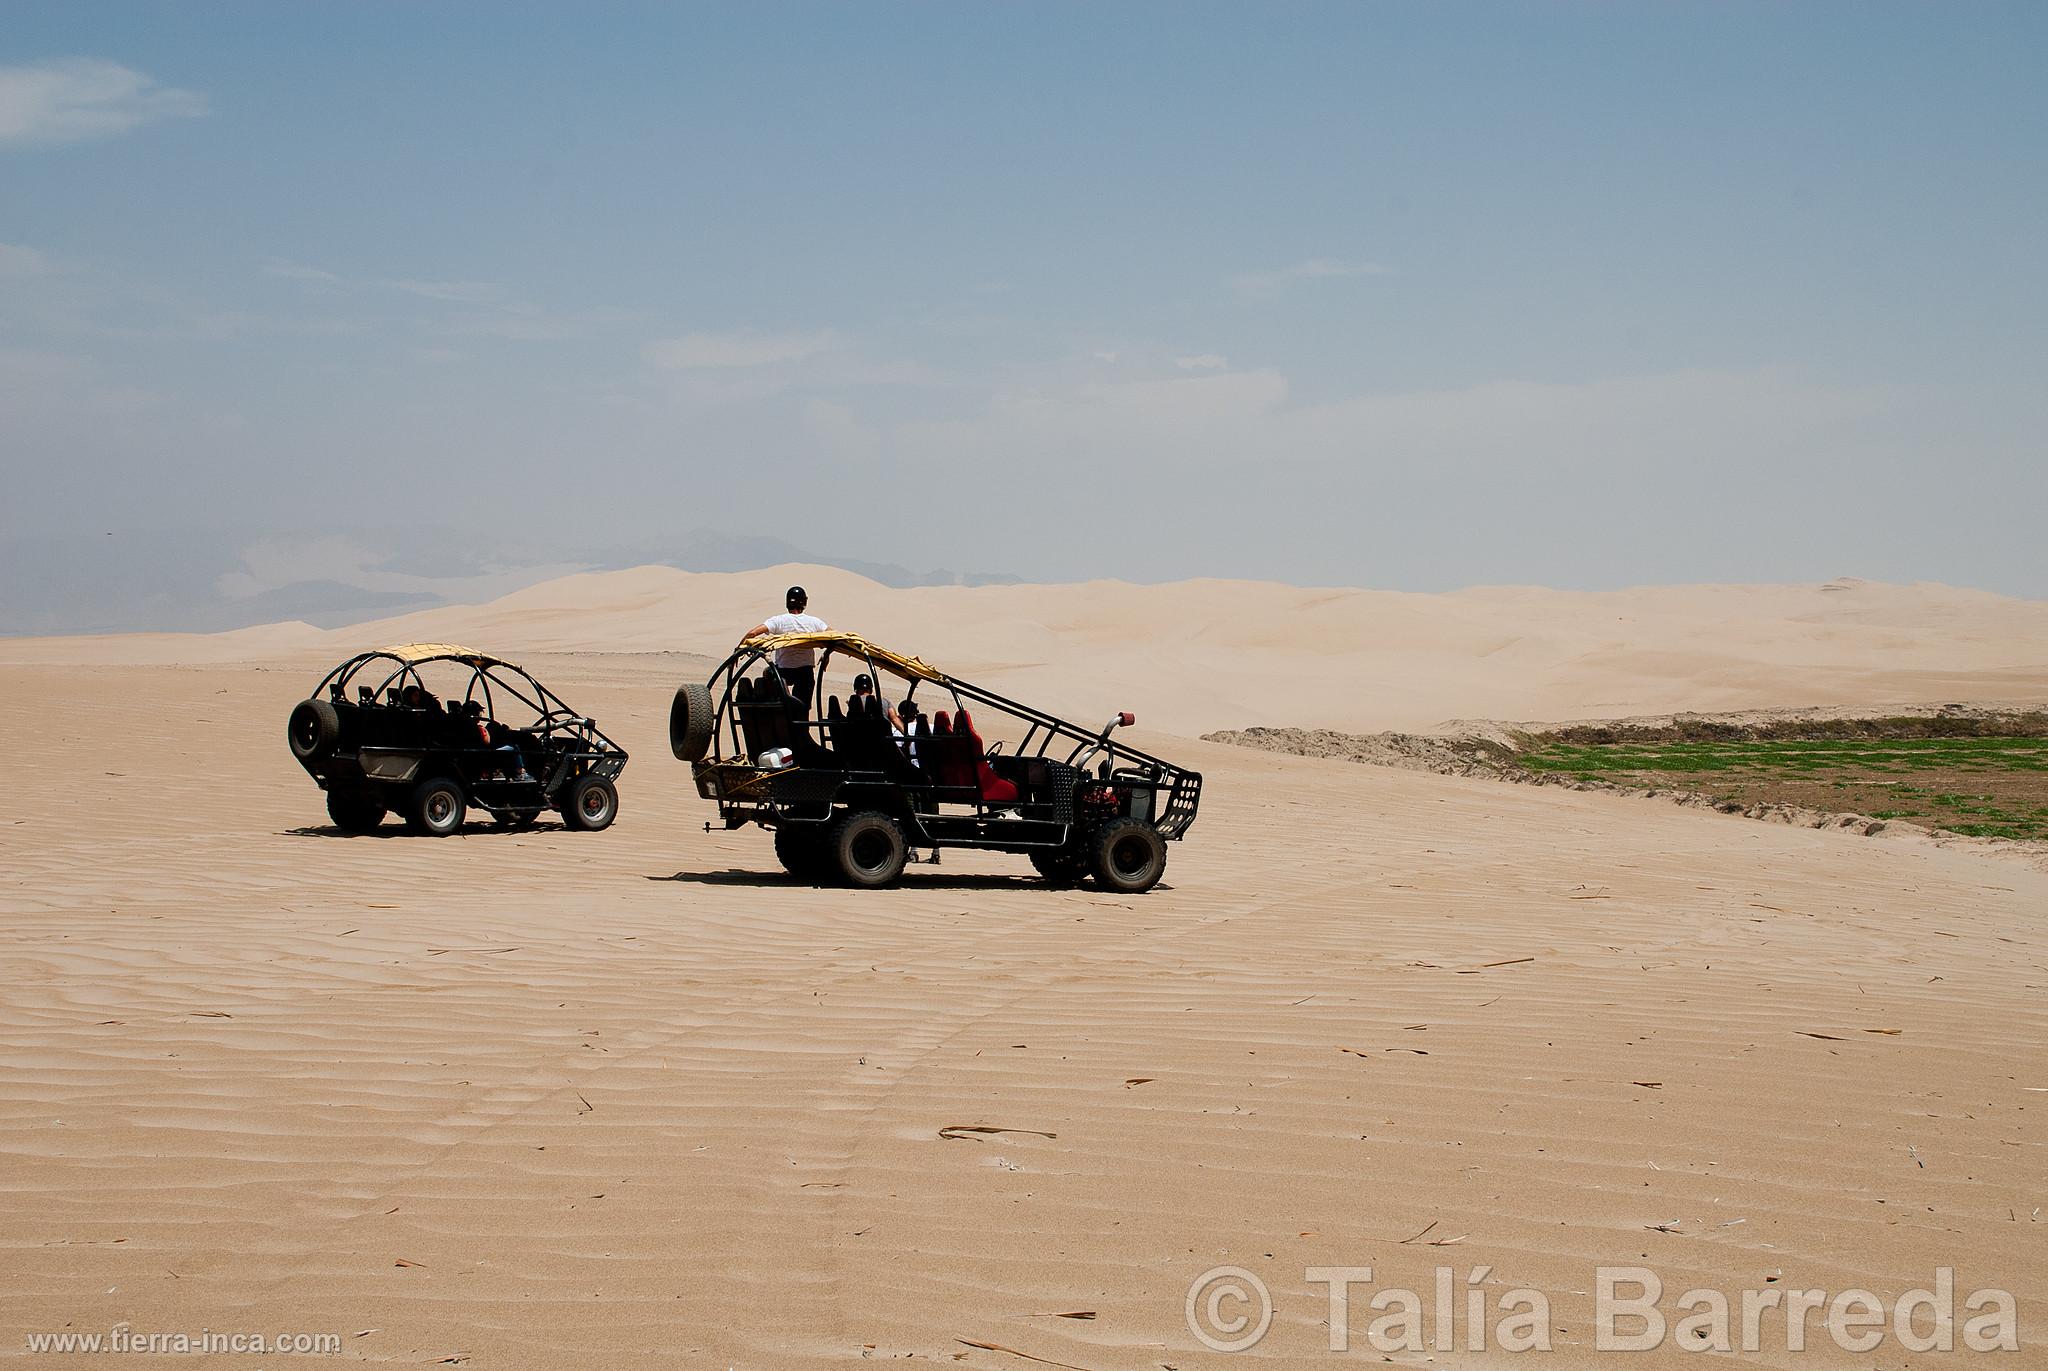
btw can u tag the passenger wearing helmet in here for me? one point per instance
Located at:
(796, 665)
(864, 685)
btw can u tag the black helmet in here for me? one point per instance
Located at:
(796, 598)
(863, 682)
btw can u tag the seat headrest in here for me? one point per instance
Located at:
(942, 722)
(832, 710)
(743, 689)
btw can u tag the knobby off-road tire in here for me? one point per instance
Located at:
(689, 723)
(1061, 867)
(591, 804)
(436, 806)
(354, 813)
(802, 852)
(314, 730)
(867, 849)
(1127, 856)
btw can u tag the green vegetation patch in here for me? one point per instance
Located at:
(1990, 786)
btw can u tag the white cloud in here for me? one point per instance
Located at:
(298, 271)
(699, 350)
(455, 292)
(1264, 285)
(1207, 361)
(72, 99)
(18, 261)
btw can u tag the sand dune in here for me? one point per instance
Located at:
(1198, 655)
(545, 1099)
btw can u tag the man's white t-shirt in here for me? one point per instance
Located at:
(788, 657)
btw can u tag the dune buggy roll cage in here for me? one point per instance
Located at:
(1046, 736)
(552, 713)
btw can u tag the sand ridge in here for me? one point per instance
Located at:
(1194, 656)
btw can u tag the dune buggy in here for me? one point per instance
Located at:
(848, 793)
(376, 738)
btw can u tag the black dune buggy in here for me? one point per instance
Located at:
(377, 739)
(848, 793)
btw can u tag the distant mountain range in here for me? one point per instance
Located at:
(205, 581)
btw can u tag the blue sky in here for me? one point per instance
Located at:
(1400, 295)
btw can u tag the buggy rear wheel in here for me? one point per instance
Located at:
(436, 806)
(314, 731)
(802, 852)
(867, 849)
(591, 805)
(1127, 856)
(353, 812)
(1061, 866)
(689, 723)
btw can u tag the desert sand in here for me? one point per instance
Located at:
(546, 1099)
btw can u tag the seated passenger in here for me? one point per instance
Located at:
(499, 741)
(907, 730)
(863, 686)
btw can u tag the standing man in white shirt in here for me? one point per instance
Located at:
(796, 665)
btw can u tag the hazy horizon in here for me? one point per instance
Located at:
(358, 309)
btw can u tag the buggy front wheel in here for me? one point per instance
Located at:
(1127, 856)
(436, 806)
(591, 805)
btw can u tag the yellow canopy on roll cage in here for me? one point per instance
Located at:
(410, 653)
(831, 640)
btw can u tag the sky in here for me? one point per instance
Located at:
(1395, 295)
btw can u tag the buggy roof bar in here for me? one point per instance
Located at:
(486, 672)
(414, 653)
(910, 668)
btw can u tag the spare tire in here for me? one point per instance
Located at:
(314, 731)
(689, 723)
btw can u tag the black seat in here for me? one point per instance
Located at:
(835, 727)
(765, 720)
